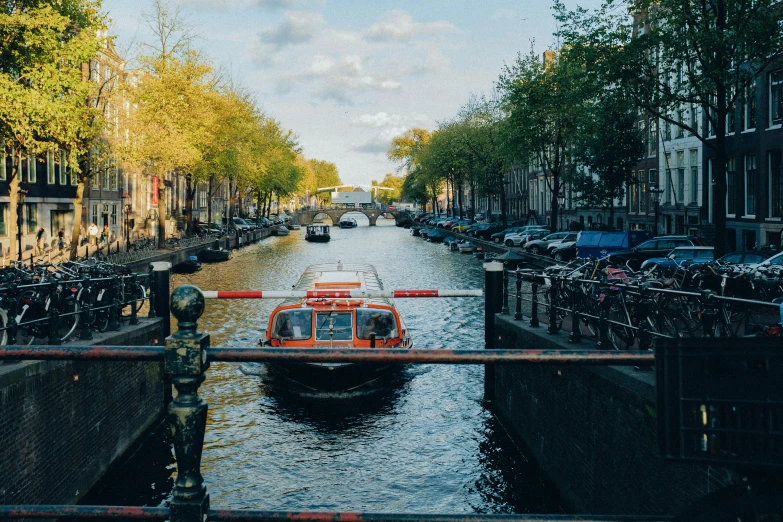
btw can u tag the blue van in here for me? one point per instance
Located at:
(600, 244)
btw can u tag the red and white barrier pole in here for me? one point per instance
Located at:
(332, 294)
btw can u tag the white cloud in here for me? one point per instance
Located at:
(381, 142)
(504, 14)
(274, 4)
(398, 25)
(384, 119)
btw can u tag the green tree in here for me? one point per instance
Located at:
(610, 146)
(387, 197)
(326, 175)
(675, 55)
(43, 93)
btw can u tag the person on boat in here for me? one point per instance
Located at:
(286, 330)
(383, 326)
(369, 327)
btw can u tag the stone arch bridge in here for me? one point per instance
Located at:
(306, 217)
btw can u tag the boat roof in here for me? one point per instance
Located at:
(341, 276)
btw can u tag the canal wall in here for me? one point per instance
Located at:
(593, 430)
(180, 255)
(62, 423)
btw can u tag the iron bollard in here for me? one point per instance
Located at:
(708, 313)
(518, 313)
(54, 314)
(575, 336)
(185, 363)
(115, 310)
(161, 274)
(505, 292)
(534, 304)
(493, 296)
(86, 317)
(553, 328)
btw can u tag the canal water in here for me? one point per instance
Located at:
(423, 444)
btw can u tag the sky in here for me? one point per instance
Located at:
(348, 75)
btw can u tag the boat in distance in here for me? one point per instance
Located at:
(346, 323)
(318, 233)
(348, 222)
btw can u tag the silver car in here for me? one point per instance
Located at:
(548, 243)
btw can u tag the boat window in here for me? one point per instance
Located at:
(372, 320)
(333, 325)
(294, 324)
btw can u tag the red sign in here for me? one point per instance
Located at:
(154, 191)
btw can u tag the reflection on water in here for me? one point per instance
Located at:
(422, 443)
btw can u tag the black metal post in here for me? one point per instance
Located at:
(185, 364)
(505, 292)
(54, 315)
(534, 304)
(576, 331)
(518, 312)
(151, 297)
(161, 277)
(493, 304)
(708, 314)
(114, 311)
(134, 319)
(553, 327)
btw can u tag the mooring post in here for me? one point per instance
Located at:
(493, 304)
(534, 303)
(185, 364)
(161, 277)
(505, 291)
(518, 312)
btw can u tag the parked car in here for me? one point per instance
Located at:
(499, 237)
(486, 230)
(655, 247)
(537, 246)
(741, 258)
(520, 239)
(212, 228)
(681, 256)
(566, 251)
(242, 225)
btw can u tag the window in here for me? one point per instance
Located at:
(694, 119)
(694, 187)
(379, 322)
(333, 326)
(751, 172)
(32, 217)
(50, 167)
(643, 134)
(681, 176)
(32, 176)
(293, 324)
(113, 176)
(776, 98)
(3, 219)
(681, 120)
(62, 168)
(652, 179)
(642, 193)
(748, 108)
(95, 214)
(667, 131)
(731, 123)
(775, 185)
(2, 163)
(653, 145)
(667, 185)
(113, 214)
(634, 193)
(731, 187)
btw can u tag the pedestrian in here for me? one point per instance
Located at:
(93, 232)
(105, 234)
(39, 241)
(61, 239)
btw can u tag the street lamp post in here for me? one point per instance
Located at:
(561, 204)
(656, 192)
(126, 207)
(19, 206)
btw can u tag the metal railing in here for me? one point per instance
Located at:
(187, 356)
(575, 300)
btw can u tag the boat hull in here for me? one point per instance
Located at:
(334, 377)
(214, 256)
(319, 238)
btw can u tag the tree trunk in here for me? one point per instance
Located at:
(12, 206)
(459, 198)
(269, 205)
(259, 207)
(77, 219)
(231, 202)
(190, 191)
(555, 204)
(209, 201)
(161, 212)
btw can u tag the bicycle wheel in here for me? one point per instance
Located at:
(560, 301)
(4, 325)
(69, 318)
(621, 336)
(28, 310)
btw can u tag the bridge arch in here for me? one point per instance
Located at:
(306, 217)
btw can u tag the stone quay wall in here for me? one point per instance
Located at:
(62, 423)
(593, 430)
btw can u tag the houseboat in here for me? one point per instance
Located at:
(318, 233)
(344, 323)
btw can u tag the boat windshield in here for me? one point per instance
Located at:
(369, 320)
(294, 324)
(336, 326)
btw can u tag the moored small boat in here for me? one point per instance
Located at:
(436, 235)
(187, 267)
(212, 255)
(466, 247)
(280, 230)
(294, 226)
(336, 323)
(479, 253)
(318, 233)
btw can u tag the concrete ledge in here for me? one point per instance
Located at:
(594, 430)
